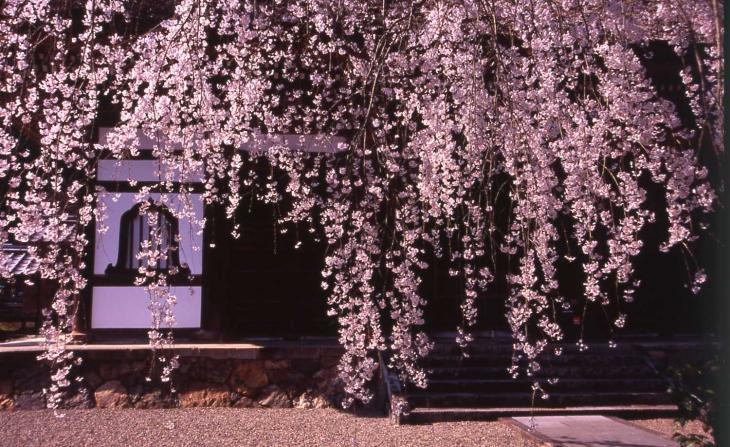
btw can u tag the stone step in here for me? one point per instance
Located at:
(524, 399)
(508, 385)
(577, 359)
(453, 349)
(456, 361)
(468, 372)
(481, 372)
(488, 346)
(470, 387)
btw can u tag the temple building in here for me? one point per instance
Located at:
(265, 284)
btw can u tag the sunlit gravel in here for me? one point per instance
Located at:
(668, 427)
(241, 427)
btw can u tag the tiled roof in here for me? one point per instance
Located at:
(16, 261)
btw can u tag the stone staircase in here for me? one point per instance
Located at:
(610, 380)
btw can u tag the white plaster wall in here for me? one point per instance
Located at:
(106, 246)
(260, 142)
(126, 307)
(296, 143)
(145, 140)
(140, 170)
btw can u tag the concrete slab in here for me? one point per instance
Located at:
(589, 431)
(251, 350)
(420, 415)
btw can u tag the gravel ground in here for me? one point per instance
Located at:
(241, 427)
(668, 427)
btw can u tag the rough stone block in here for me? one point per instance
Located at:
(153, 399)
(112, 370)
(93, 379)
(111, 394)
(276, 364)
(78, 400)
(30, 401)
(6, 394)
(312, 399)
(31, 379)
(248, 377)
(202, 394)
(273, 397)
(243, 402)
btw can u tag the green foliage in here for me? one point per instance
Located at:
(697, 390)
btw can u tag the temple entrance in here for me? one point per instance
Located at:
(263, 285)
(260, 285)
(445, 294)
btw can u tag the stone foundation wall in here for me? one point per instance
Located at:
(281, 378)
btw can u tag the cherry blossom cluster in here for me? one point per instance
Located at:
(510, 137)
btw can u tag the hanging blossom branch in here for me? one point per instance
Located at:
(492, 133)
(50, 79)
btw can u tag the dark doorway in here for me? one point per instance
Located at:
(445, 294)
(265, 284)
